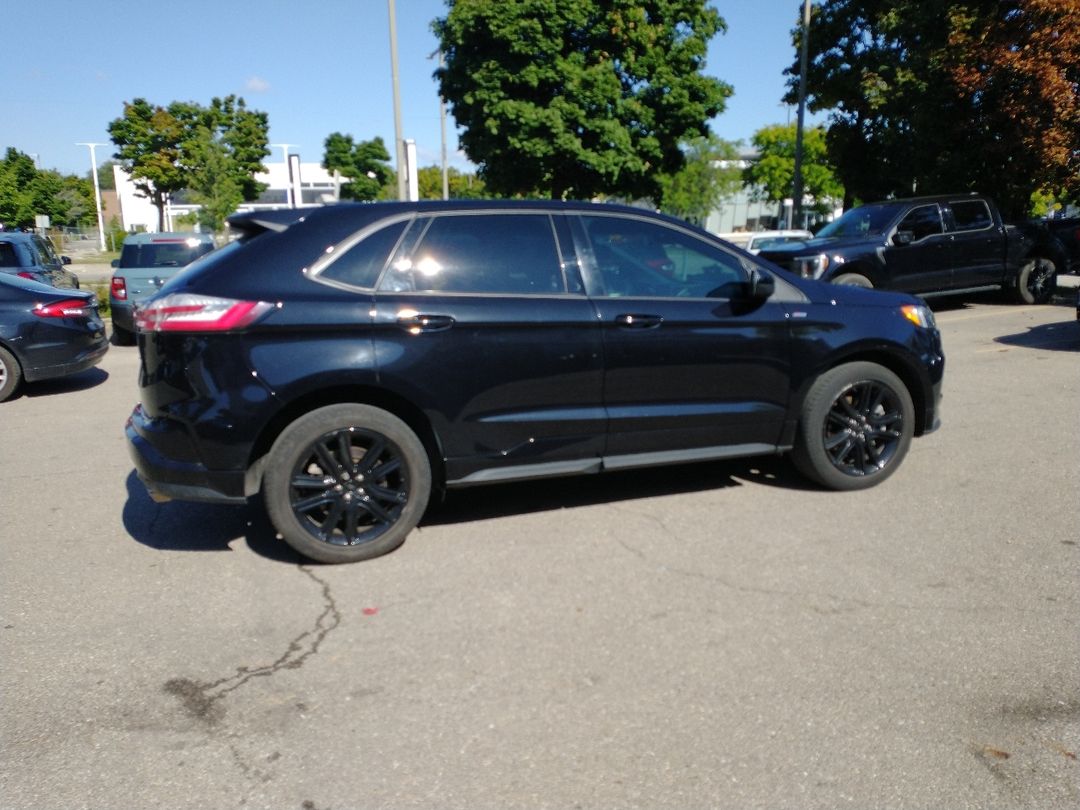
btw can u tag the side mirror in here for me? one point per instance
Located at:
(760, 285)
(115, 262)
(65, 260)
(903, 237)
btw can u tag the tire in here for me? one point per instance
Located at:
(122, 336)
(332, 505)
(10, 374)
(1036, 281)
(854, 280)
(856, 426)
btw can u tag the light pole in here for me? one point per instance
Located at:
(399, 145)
(288, 171)
(797, 194)
(97, 189)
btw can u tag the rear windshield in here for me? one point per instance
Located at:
(163, 254)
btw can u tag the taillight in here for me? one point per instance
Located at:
(70, 308)
(186, 312)
(119, 288)
(24, 274)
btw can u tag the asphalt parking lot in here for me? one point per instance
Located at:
(718, 635)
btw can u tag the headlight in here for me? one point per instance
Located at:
(920, 315)
(815, 266)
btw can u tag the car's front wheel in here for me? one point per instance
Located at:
(346, 483)
(857, 423)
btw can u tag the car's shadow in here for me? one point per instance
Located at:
(185, 526)
(1063, 336)
(82, 381)
(1063, 297)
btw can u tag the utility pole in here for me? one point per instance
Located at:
(442, 128)
(399, 144)
(97, 190)
(797, 194)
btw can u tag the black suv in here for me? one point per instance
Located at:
(345, 361)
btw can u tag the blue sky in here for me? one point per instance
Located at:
(316, 67)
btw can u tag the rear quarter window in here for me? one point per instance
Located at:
(361, 263)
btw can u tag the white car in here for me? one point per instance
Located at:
(770, 239)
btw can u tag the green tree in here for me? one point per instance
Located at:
(106, 178)
(147, 140)
(463, 186)
(215, 151)
(772, 174)
(365, 165)
(575, 98)
(945, 97)
(708, 176)
(17, 173)
(26, 192)
(222, 150)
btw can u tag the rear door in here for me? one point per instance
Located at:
(690, 372)
(977, 244)
(481, 319)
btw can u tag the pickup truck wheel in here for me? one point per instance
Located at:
(346, 483)
(856, 427)
(1036, 281)
(854, 280)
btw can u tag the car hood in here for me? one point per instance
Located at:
(821, 292)
(812, 247)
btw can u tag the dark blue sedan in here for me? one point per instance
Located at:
(46, 332)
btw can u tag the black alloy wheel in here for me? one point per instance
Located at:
(857, 424)
(346, 483)
(10, 374)
(1036, 281)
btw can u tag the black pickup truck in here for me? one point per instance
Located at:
(930, 246)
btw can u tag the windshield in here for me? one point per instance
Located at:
(866, 220)
(162, 254)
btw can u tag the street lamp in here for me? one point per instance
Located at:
(97, 189)
(288, 171)
(798, 190)
(399, 145)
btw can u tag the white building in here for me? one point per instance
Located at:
(311, 184)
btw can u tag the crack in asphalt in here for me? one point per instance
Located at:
(202, 700)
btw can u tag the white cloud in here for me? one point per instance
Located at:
(256, 84)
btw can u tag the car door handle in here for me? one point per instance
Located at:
(638, 321)
(425, 323)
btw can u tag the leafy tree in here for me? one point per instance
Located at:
(709, 175)
(772, 174)
(147, 140)
(462, 186)
(365, 164)
(106, 178)
(944, 97)
(216, 151)
(26, 192)
(578, 97)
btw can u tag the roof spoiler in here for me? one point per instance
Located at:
(254, 223)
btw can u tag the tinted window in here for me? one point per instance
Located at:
(46, 255)
(638, 258)
(162, 254)
(922, 222)
(361, 264)
(486, 253)
(971, 215)
(8, 257)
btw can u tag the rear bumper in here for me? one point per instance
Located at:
(88, 357)
(168, 478)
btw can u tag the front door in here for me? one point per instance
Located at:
(689, 371)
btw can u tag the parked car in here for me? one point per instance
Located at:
(46, 332)
(346, 361)
(31, 256)
(1065, 230)
(147, 261)
(766, 240)
(929, 246)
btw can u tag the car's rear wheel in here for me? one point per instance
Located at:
(10, 374)
(1036, 281)
(346, 483)
(857, 423)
